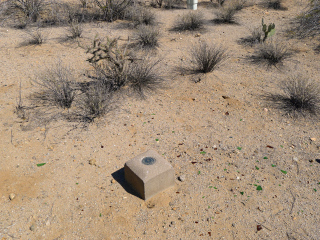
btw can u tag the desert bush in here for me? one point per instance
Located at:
(57, 83)
(95, 101)
(225, 15)
(113, 9)
(156, 3)
(238, 4)
(270, 53)
(115, 68)
(148, 36)
(145, 76)
(189, 21)
(205, 58)
(169, 4)
(256, 35)
(75, 29)
(308, 22)
(140, 15)
(110, 61)
(221, 2)
(300, 97)
(27, 10)
(37, 36)
(274, 4)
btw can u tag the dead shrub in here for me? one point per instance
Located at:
(37, 36)
(75, 29)
(189, 21)
(140, 15)
(113, 9)
(57, 85)
(148, 37)
(95, 101)
(226, 15)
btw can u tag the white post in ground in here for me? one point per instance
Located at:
(192, 4)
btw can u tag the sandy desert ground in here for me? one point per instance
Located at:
(218, 134)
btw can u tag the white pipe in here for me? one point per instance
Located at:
(192, 4)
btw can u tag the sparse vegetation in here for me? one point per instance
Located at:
(205, 58)
(169, 4)
(145, 76)
(308, 22)
(270, 53)
(57, 86)
(225, 15)
(140, 15)
(27, 10)
(148, 36)
(75, 29)
(274, 4)
(300, 97)
(116, 68)
(95, 102)
(238, 4)
(113, 9)
(37, 37)
(189, 21)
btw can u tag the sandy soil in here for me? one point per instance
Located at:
(224, 157)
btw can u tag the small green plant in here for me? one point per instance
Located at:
(189, 21)
(268, 30)
(204, 58)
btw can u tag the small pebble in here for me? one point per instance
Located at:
(12, 196)
(295, 159)
(92, 162)
(113, 181)
(182, 178)
(32, 227)
(313, 139)
(173, 223)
